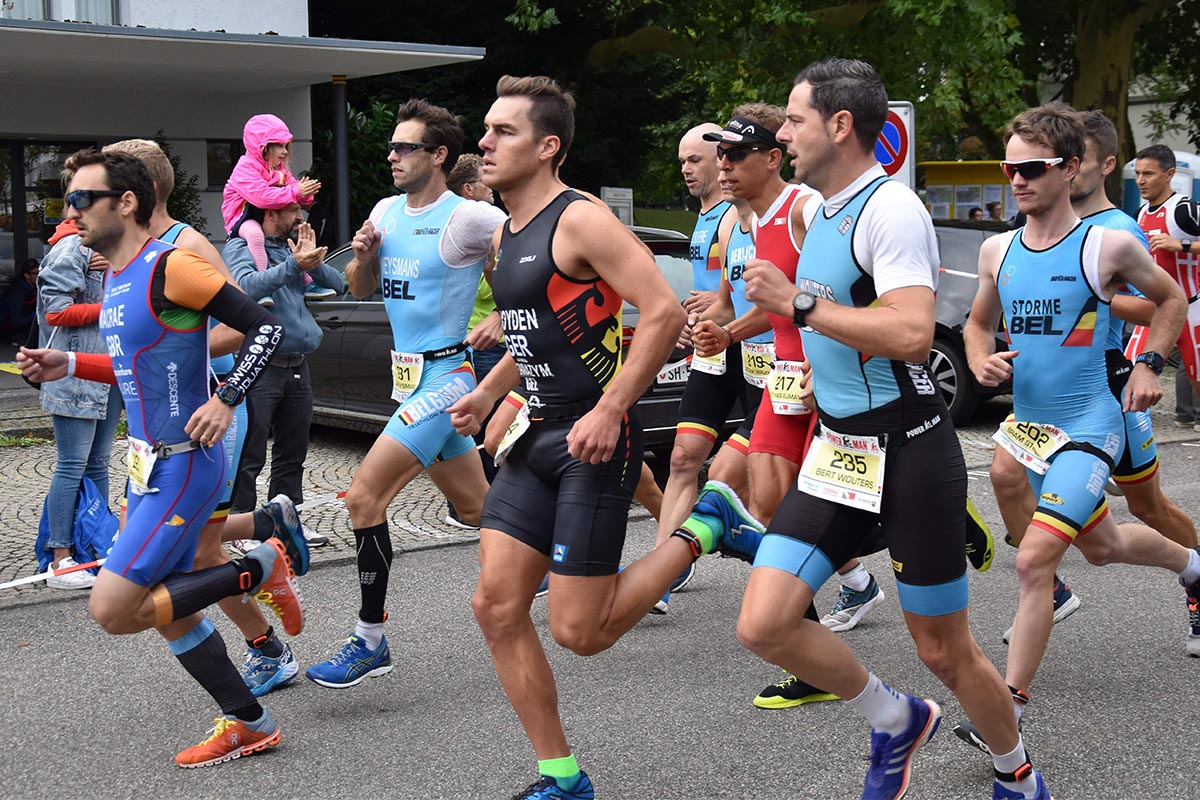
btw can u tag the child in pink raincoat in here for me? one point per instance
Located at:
(261, 180)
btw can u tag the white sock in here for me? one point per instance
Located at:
(1019, 708)
(857, 579)
(1191, 573)
(1011, 762)
(882, 706)
(370, 632)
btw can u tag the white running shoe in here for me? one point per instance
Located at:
(82, 579)
(853, 606)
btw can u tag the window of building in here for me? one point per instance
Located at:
(97, 12)
(24, 9)
(222, 155)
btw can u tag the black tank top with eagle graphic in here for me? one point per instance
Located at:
(564, 333)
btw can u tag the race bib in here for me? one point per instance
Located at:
(713, 365)
(845, 469)
(674, 373)
(516, 429)
(140, 458)
(757, 359)
(1031, 444)
(406, 374)
(783, 384)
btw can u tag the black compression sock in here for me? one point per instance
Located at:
(374, 564)
(268, 644)
(184, 593)
(264, 526)
(202, 653)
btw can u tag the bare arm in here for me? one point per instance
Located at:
(979, 333)
(362, 273)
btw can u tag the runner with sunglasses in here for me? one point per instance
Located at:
(1054, 280)
(426, 248)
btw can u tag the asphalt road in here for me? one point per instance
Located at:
(664, 715)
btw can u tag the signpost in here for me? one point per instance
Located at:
(893, 149)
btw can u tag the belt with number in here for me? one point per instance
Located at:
(443, 352)
(563, 410)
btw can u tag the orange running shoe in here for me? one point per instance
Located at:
(230, 738)
(279, 590)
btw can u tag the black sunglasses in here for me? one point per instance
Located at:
(403, 149)
(1030, 168)
(82, 198)
(737, 154)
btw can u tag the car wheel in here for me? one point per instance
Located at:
(948, 363)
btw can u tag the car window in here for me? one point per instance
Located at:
(339, 260)
(675, 265)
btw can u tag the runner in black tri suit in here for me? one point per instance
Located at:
(560, 499)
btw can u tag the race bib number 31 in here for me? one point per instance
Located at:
(845, 469)
(1030, 443)
(406, 374)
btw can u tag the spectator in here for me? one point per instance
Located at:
(84, 414)
(994, 212)
(281, 399)
(975, 213)
(19, 303)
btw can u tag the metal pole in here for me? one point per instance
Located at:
(341, 163)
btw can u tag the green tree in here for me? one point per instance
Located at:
(184, 202)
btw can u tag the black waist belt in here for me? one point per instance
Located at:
(1091, 450)
(563, 410)
(452, 350)
(164, 450)
(286, 359)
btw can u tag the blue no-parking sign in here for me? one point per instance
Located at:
(893, 149)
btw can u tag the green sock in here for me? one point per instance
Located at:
(564, 770)
(704, 527)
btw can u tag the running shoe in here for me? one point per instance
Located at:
(262, 674)
(853, 606)
(289, 531)
(547, 788)
(543, 587)
(315, 292)
(981, 547)
(791, 692)
(1001, 793)
(312, 538)
(891, 756)
(969, 734)
(1193, 640)
(660, 607)
(80, 579)
(244, 546)
(453, 519)
(352, 665)
(277, 590)
(230, 738)
(743, 533)
(1066, 603)
(685, 577)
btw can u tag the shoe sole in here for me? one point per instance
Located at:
(375, 673)
(842, 627)
(454, 523)
(248, 750)
(969, 737)
(1193, 645)
(293, 624)
(295, 532)
(732, 498)
(777, 703)
(1062, 612)
(685, 580)
(660, 609)
(273, 684)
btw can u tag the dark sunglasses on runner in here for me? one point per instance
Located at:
(82, 198)
(403, 149)
(1030, 168)
(736, 154)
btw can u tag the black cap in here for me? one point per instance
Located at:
(740, 130)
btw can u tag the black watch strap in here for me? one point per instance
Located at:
(1153, 360)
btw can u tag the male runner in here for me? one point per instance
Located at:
(269, 661)
(715, 384)
(886, 454)
(1137, 468)
(154, 318)
(1172, 222)
(1053, 279)
(561, 498)
(427, 249)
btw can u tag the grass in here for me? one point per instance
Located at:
(680, 220)
(28, 440)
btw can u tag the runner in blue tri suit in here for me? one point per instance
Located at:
(885, 454)
(1054, 280)
(154, 318)
(426, 251)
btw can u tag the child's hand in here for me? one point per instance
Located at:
(308, 186)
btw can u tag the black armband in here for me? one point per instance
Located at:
(263, 331)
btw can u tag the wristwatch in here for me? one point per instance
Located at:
(1153, 360)
(1186, 244)
(801, 305)
(229, 395)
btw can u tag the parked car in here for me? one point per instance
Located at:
(351, 379)
(958, 245)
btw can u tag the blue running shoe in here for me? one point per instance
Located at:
(743, 533)
(891, 756)
(852, 606)
(684, 578)
(289, 531)
(352, 665)
(662, 605)
(543, 588)
(263, 674)
(548, 789)
(1000, 793)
